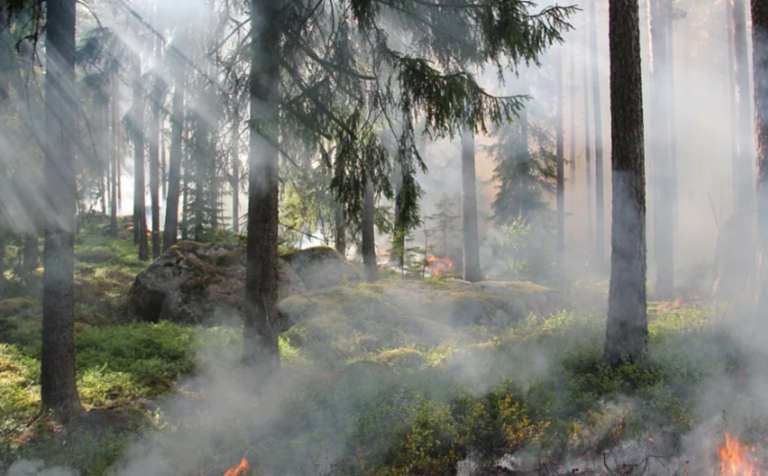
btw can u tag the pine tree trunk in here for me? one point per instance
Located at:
(115, 148)
(369, 235)
(137, 129)
(57, 375)
(262, 322)
(472, 272)
(742, 167)
(163, 165)
(732, 99)
(171, 229)
(340, 231)
(572, 134)
(588, 156)
(235, 158)
(560, 160)
(626, 334)
(664, 167)
(760, 72)
(154, 162)
(4, 93)
(398, 233)
(599, 183)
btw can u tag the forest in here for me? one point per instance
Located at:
(383, 237)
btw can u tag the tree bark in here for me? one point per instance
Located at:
(742, 167)
(663, 165)
(572, 134)
(369, 235)
(262, 321)
(588, 156)
(398, 233)
(154, 160)
(626, 334)
(599, 183)
(760, 78)
(57, 375)
(171, 229)
(472, 271)
(4, 85)
(137, 129)
(235, 158)
(560, 160)
(115, 149)
(732, 99)
(340, 231)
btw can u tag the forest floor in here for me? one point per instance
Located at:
(170, 399)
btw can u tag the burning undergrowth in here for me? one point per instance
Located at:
(537, 393)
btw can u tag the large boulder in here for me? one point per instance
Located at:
(321, 267)
(192, 281)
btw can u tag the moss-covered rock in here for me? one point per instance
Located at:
(321, 267)
(191, 282)
(349, 322)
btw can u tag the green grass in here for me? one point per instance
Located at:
(426, 399)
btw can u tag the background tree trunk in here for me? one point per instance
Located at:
(760, 75)
(262, 322)
(742, 167)
(57, 375)
(663, 166)
(340, 231)
(31, 252)
(4, 60)
(235, 159)
(171, 230)
(137, 129)
(154, 160)
(560, 159)
(588, 156)
(472, 271)
(627, 327)
(572, 134)
(599, 183)
(115, 149)
(369, 235)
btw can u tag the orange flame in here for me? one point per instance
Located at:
(239, 469)
(438, 266)
(734, 460)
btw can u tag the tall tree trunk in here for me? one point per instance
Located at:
(340, 230)
(137, 130)
(560, 160)
(742, 166)
(734, 122)
(472, 272)
(163, 164)
(262, 322)
(115, 149)
(398, 233)
(57, 375)
(572, 134)
(663, 165)
(626, 334)
(171, 229)
(235, 159)
(154, 160)
(599, 183)
(588, 156)
(760, 78)
(4, 93)
(368, 234)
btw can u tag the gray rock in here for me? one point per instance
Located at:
(192, 281)
(321, 267)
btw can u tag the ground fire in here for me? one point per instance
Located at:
(439, 266)
(736, 459)
(240, 469)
